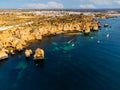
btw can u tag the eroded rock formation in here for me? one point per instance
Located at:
(39, 54)
(17, 38)
(3, 55)
(28, 52)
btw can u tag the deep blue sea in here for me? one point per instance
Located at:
(73, 61)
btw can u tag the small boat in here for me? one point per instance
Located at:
(98, 41)
(73, 45)
(108, 35)
(106, 25)
(92, 37)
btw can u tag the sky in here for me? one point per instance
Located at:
(59, 4)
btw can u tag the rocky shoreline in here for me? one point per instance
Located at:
(17, 38)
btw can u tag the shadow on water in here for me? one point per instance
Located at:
(39, 63)
(3, 62)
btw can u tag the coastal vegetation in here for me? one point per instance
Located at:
(23, 29)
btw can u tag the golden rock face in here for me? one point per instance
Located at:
(3, 55)
(39, 54)
(28, 52)
(87, 30)
(95, 26)
(27, 28)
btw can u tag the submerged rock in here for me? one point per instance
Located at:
(3, 55)
(28, 53)
(39, 54)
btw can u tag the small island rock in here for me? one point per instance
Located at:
(28, 52)
(39, 54)
(105, 25)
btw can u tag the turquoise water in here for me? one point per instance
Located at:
(72, 62)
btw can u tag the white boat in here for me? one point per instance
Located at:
(73, 45)
(108, 35)
(98, 41)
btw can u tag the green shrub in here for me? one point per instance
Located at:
(32, 30)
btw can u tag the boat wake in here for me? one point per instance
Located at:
(70, 41)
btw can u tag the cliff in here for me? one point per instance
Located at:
(18, 38)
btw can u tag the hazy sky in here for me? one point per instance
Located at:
(61, 4)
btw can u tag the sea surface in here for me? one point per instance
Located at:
(73, 61)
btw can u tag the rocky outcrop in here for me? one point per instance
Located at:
(39, 54)
(5, 50)
(19, 47)
(106, 25)
(87, 30)
(3, 55)
(38, 35)
(103, 16)
(28, 53)
(99, 25)
(95, 27)
(18, 38)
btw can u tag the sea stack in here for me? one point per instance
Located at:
(28, 53)
(39, 54)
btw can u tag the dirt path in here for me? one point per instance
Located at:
(8, 27)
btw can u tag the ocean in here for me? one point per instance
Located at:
(73, 61)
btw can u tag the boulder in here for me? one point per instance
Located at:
(39, 54)
(3, 55)
(28, 52)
